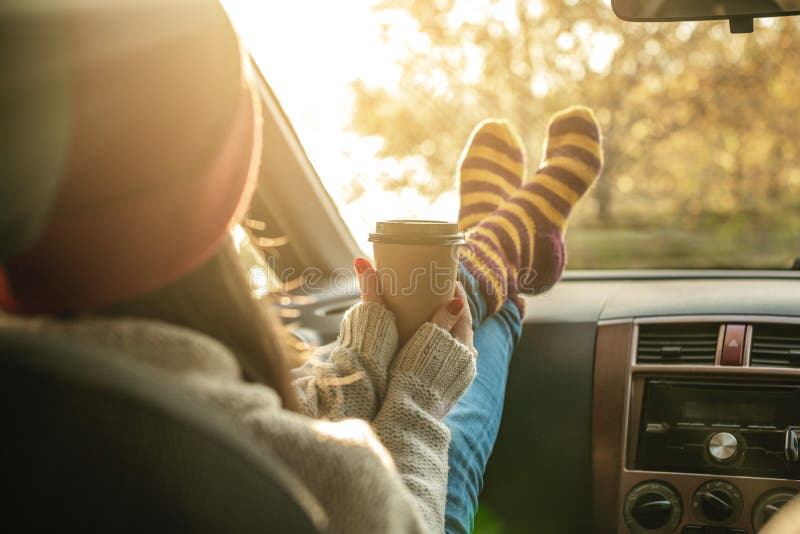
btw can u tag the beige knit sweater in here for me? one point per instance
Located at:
(371, 447)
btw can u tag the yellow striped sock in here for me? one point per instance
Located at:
(491, 169)
(518, 247)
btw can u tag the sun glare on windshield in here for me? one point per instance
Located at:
(701, 127)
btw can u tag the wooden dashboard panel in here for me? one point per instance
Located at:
(611, 371)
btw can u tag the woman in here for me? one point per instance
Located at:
(162, 121)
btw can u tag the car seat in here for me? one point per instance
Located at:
(93, 442)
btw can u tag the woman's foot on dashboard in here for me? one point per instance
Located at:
(491, 169)
(519, 248)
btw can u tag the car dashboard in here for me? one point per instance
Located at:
(644, 402)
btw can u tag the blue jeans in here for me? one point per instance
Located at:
(475, 419)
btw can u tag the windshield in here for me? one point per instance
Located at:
(702, 128)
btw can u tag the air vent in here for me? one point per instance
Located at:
(681, 344)
(775, 345)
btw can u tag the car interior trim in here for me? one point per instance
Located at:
(306, 211)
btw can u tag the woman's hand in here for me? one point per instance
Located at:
(455, 317)
(367, 281)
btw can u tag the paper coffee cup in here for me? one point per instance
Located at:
(417, 264)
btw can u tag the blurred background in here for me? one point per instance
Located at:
(702, 128)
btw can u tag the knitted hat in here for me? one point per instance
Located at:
(148, 149)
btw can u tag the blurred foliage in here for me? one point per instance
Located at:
(487, 522)
(702, 128)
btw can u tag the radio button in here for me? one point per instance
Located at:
(723, 446)
(792, 446)
(656, 428)
(733, 345)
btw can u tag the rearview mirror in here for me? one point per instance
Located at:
(740, 12)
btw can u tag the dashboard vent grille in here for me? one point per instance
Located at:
(682, 344)
(775, 345)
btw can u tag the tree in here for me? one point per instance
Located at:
(698, 123)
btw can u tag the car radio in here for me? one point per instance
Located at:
(696, 423)
(720, 427)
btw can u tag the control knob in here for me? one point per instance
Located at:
(652, 507)
(769, 504)
(717, 502)
(723, 446)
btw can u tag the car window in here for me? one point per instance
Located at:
(701, 126)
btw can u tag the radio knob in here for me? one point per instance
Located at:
(717, 502)
(723, 446)
(652, 507)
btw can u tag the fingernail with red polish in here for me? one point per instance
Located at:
(361, 265)
(454, 306)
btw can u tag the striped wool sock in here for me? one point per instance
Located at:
(491, 169)
(518, 248)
